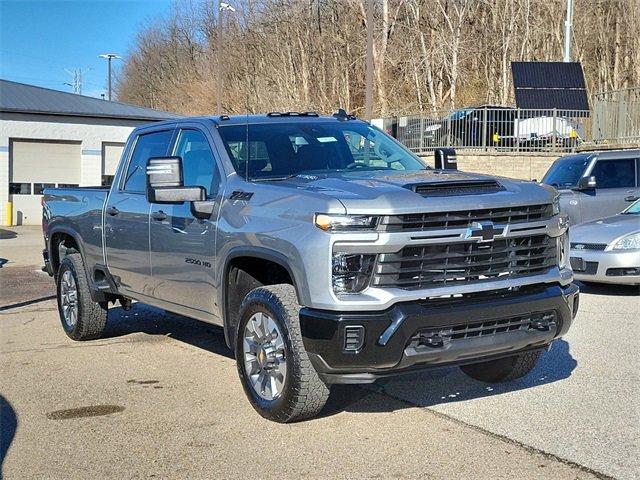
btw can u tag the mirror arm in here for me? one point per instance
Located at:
(203, 209)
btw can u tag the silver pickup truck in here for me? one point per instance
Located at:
(326, 250)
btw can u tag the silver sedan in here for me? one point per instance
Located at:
(608, 250)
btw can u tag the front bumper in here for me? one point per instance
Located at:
(389, 337)
(601, 266)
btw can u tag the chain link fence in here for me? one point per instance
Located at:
(503, 129)
(616, 117)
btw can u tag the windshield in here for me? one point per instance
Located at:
(633, 209)
(281, 150)
(566, 172)
(460, 114)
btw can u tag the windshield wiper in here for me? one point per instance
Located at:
(274, 179)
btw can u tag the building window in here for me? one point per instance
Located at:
(67, 185)
(107, 180)
(38, 188)
(16, 188)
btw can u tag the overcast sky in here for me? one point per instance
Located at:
(40, 39)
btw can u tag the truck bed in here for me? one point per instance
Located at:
(77, 210)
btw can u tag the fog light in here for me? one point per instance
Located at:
(351, 272)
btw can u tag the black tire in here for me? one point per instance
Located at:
(503, 369)
(304, 393)
(91, 316)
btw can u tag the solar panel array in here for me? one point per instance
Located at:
(548, 85)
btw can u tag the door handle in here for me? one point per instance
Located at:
(113, 211)
(159, 216)
(631, 198)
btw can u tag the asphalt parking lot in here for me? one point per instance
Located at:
(159, 397)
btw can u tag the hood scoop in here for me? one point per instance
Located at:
(449, 189)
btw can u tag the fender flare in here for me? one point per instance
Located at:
(67, 231)
(254, 252)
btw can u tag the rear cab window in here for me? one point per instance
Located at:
(619, 173)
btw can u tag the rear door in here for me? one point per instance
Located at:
(616, 185)
(183, 246)
(126, 218)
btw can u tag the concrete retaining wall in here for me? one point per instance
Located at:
(527, 166)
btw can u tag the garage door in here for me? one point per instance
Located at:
(111, 153)
(35, 165)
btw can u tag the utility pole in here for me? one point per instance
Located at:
(76, 83)
(568, 24)
(222, 7)
(368, 103)
(109, 57)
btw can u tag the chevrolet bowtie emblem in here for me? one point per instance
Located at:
(483, 231)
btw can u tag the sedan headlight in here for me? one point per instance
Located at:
(337, 223)
(629, 242)
(351, 272)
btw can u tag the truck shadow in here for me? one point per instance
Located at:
(8, 426)
(153, 321)
(418, 389)
(448, 384)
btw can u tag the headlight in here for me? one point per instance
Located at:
(628, 243)
(556, 205)
(337, 223)
(351, 272)
(433, 128)
(563, 250)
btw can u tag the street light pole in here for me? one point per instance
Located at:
(222, 7)
(568, 23)
(368, 102)
(109, 57)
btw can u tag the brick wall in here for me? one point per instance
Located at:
(527, 166)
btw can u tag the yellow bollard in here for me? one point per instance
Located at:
(9, 214)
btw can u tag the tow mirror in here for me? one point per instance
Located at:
(165, 182)
(587, 183)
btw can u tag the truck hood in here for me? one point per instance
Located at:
(605, 230)
(394, 193)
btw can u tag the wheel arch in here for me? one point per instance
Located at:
(239, 258)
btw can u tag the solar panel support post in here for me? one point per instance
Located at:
(517, 130)
(484, 129)
(553, 132)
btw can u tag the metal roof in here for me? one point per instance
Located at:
(22, 98)
(547, 85)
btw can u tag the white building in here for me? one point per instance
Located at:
(52, 138)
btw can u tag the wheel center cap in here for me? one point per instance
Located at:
(266, 355)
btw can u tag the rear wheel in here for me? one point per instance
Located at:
(503, 369)
(274, 367)
(81, 317)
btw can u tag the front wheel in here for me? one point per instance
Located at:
(503, 369)
(273, 365)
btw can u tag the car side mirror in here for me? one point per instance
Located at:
(586, 183)
(165, 182)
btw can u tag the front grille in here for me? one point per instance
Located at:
(446, 189)
(467, 262)
(465, 218)
(440, 337)
(588, 246)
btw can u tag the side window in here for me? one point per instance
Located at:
(615, 173)
(147, 146)
(197, 159)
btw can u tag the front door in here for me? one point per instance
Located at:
(183, 246)
(126, 218)
(615, 183)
